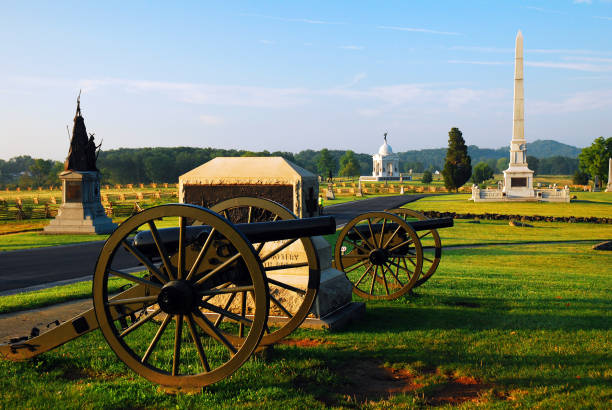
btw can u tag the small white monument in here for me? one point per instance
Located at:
(385, 164)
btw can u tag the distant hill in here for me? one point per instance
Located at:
(539, 148)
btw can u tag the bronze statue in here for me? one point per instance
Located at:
(82, 154)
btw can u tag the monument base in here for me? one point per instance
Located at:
(81, 211)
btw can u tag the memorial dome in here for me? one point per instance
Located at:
(385, 149)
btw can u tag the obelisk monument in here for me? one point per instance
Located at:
(518, 178)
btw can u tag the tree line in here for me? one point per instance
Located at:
(145, 165)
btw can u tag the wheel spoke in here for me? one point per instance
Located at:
(176, 357)
(198, 344)
(277, 250)
(210, 329)
(181, 250)
(371, 231)
(249, 215)
(406, 242)
(242, 312)
(161, 248)
(145, 261)
(361, 248)
(373, 278)
(392, 236)
(428, 260)
(382, 233)
(198, 260)
(135, 279)
(156, 338)
(280, 305)
(226, 313)
(225, 308)
(287, 266)
(363, 262)
(235, 289)
(218, 269)
(424, 235)
(286, 286)
(384, 278)
(365, 241)
(132, 301)
(395, 275)
(363, 276)
(350, 260)
(140, 322)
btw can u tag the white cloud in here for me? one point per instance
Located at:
(541, 10)
(479, 62)
(603, 17)
(351, 47)
(419, 30)
(295, 20)
(483, 49)
(583, 2)
(268, 42)
(570, 66)
(580, 101)
(211, 119)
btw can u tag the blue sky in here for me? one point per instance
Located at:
(296, 75)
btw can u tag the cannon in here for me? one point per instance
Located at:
(382, 255)
(195, 298)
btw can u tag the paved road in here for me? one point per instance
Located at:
(40, 266)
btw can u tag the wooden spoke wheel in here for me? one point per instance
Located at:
(432, 248)
(380, 254)
(164, 336)
(290, 303)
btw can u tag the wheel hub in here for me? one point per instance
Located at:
(177, 297)
(378, 256)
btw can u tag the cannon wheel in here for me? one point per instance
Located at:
(249, 210)
(431, 254)
(156, 344)
(381, 263)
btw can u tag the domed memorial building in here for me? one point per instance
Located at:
(385, 164)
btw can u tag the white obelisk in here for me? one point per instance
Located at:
(518, 178)
(609, 187)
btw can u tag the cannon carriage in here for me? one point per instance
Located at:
(197, 290)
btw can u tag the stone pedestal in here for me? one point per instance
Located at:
(81, 211)
(329, 194)
(518, 182)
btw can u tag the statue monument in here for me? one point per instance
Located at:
(385, 164)
(81, 211)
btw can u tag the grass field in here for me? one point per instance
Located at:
(501, 327)
(587, 204)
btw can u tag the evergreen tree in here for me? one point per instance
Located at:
(326, 164)
(533, 163)
(427, 178)
(482, 172)
(349, 166)
(457, 167)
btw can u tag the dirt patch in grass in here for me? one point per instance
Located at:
(458, 391)
(370, 381)
(307, 342)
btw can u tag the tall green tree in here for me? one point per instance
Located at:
(502, 164)
(458, 165)
(427, 177)
(326, 165)
(349, 166)
(482, 172)
(594, 159)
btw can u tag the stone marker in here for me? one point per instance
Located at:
(609, 187)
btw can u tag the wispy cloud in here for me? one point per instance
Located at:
(482, 49)
(352, 47)
(603, 17)
(541, 10)
(479, 62)
(591, 59)
(293, 20)
(356, 79)
(583, 1)
(570, 66)
(580, 101)
(267, 42)
(419, 30)
(210, 119)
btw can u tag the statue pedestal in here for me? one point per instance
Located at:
(81, 211)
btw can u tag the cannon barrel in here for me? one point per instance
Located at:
(425, 225)
(255, 232)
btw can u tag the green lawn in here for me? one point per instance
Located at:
(587, 204)
(515, 326)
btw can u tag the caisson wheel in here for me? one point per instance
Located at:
(290, 300)
(180, 277)
(380, 254)
(430, 241)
